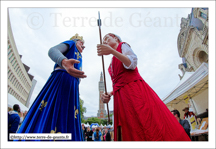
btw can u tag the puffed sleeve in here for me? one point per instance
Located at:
(126, 50)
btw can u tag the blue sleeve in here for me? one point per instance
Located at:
(15, 124)
(70, 43)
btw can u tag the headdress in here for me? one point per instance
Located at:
(116, 36)
(77, 37)
(186, 108)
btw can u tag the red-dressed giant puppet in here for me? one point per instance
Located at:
(139, 114)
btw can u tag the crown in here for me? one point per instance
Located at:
(77, 37)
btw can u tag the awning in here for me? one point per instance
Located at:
(191, 84)
(12, 101)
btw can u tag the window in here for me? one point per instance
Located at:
(10, 56)
(18, 71)
(9, 52)
(14, 63)
(203, 15)
(9, 75)
(13, 59)
(203, 57)
(15, 83)
(16, 66)
(12, 78)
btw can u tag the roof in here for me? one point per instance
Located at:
(188, 84)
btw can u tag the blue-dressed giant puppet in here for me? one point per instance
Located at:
(56, 109)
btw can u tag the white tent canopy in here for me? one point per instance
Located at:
(12, 101)
(188, 83)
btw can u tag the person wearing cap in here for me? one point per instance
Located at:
(56, 109)
(136, 106)
(187, 113)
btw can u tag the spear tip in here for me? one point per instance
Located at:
(99, 14)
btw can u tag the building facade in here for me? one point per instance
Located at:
(192, 43)
(19, 80)
(101, 112)
(192, 40)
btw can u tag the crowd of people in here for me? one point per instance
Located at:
(16, 116)
(98, 133)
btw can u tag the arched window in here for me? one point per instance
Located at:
(203, 57)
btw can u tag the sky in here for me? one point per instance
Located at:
(151, 32)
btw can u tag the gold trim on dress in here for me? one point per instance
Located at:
(43, 105)
(77, 54)
(76, 112)
(52, 131)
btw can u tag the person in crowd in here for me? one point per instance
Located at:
(103, 133)
(93, 129)
(135, 102)
(13, 120)
(56, 109)
(25, 114)
(89, 133)
(188, 114)
(111, 130)
(97, 134)
(185, 124)
(10, 109)
(107, 135)
(84, 131)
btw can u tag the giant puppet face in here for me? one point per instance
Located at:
(110, 40)
(80, 46)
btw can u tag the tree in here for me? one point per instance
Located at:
(82, 110)
(93, 120)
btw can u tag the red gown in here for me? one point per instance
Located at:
(139, 111)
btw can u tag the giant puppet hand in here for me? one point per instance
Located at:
(104, 49)
(68, 65)
(106, 97)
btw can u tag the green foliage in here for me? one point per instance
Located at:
(82, 110)
(97, 120)
(93, 120)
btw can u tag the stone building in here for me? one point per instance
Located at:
(20, 83)
(192, 40)
(192, 44)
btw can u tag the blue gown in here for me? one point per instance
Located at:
(56, 109)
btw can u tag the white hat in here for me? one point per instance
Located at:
(116, 36)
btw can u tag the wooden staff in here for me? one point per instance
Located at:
(99, 25)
